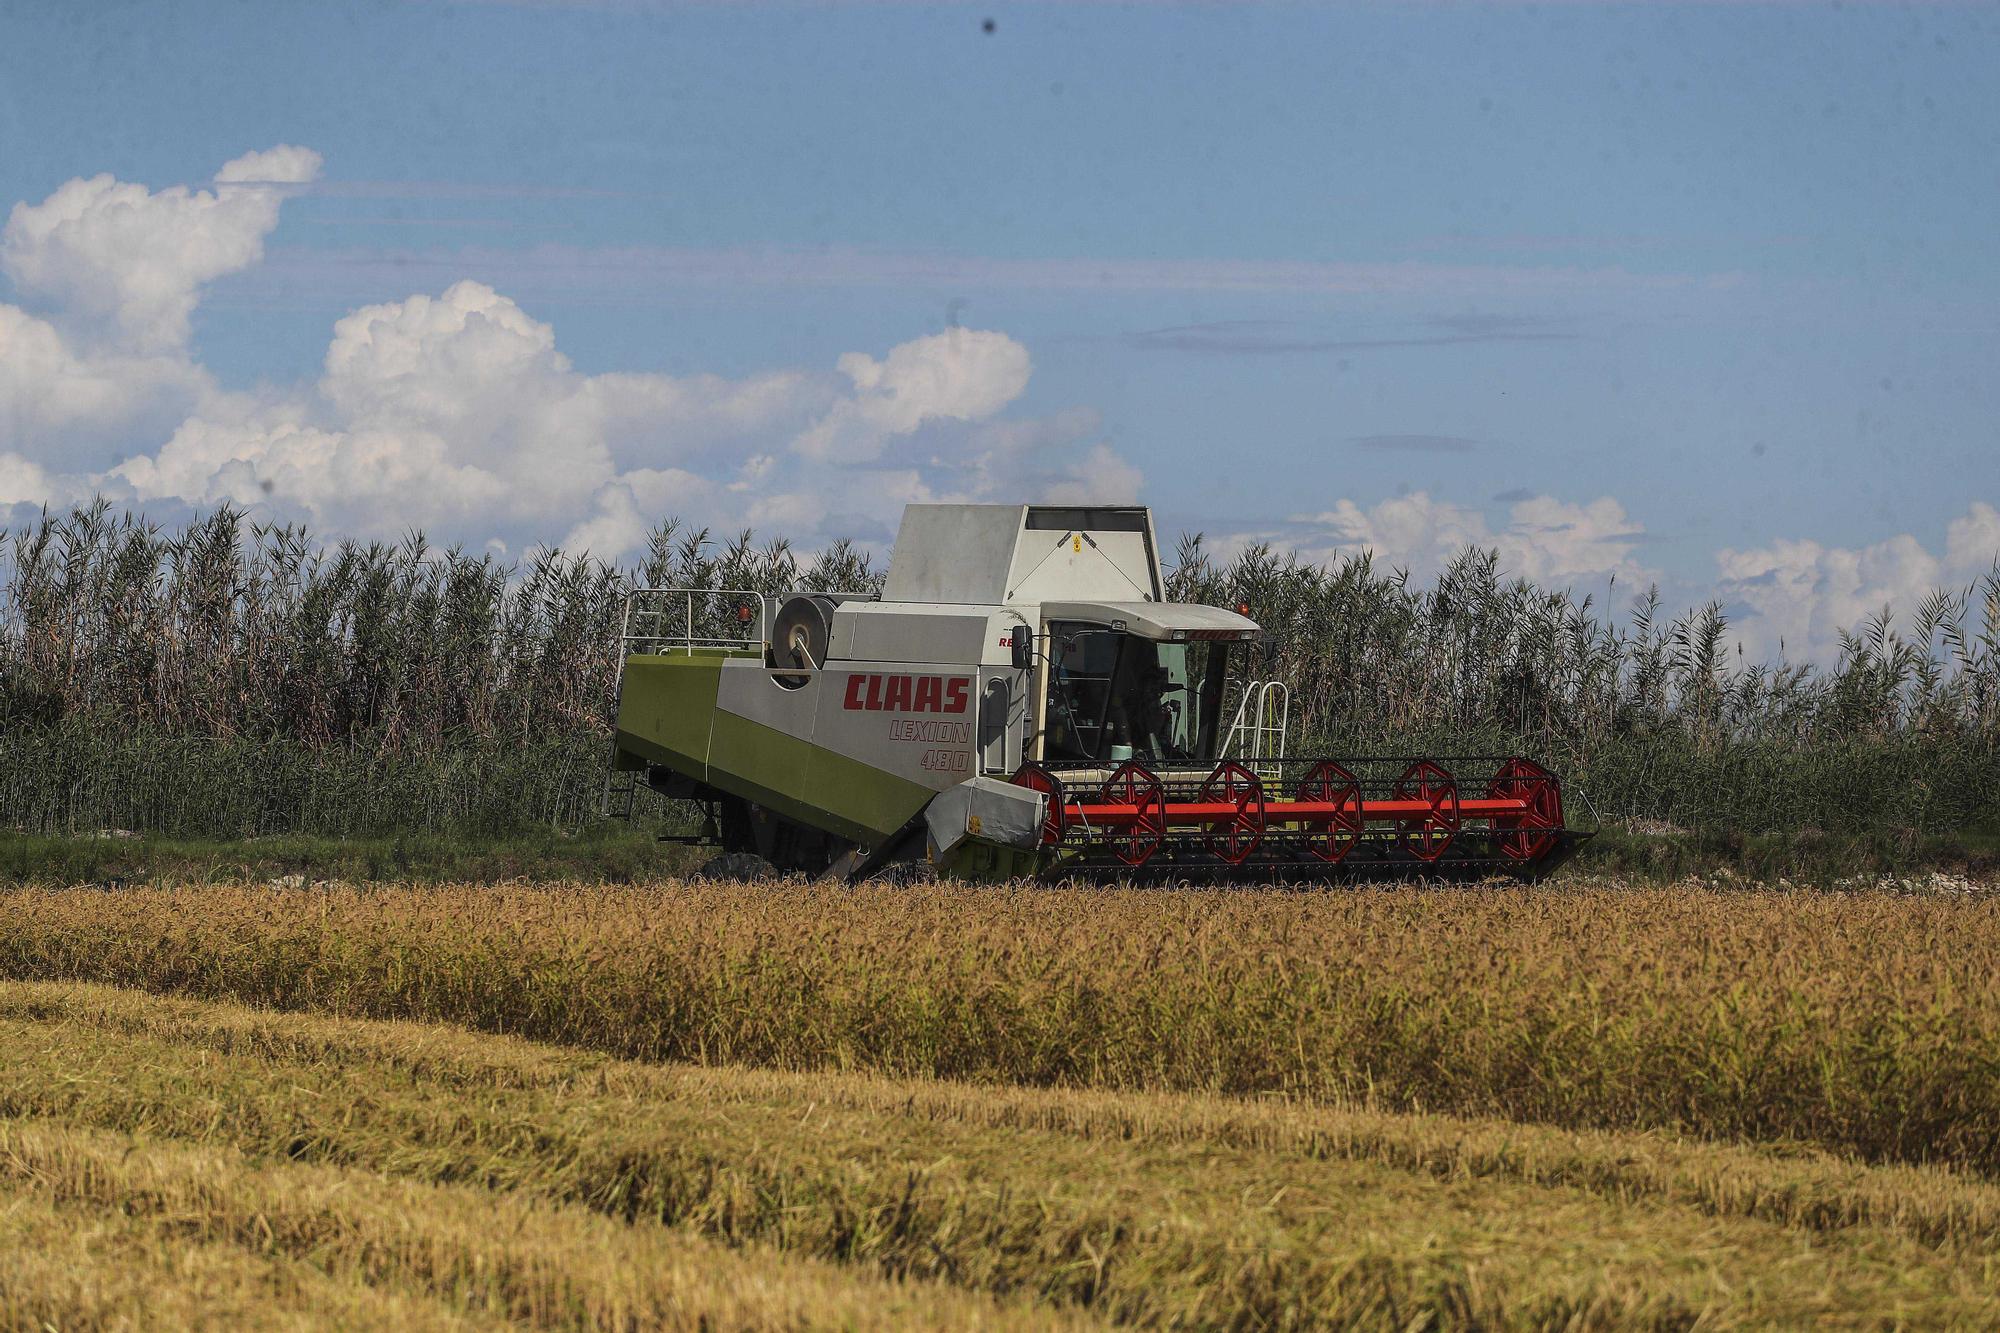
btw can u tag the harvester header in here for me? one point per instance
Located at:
(1022, 699)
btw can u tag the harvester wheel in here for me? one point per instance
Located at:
(1427, 835)
(1526, 836)
(737, 867)
(1133, 784)
(1036, 778)
(1327, 783)
(905, 874)
(1233, 839)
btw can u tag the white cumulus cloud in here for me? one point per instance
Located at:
(1972, 543)
(124, 265)
(55, 400)
(1548, 540)
(286, 164)
(1798, 595)
(1790, 596)
(957, 375)
(447, 410)
(456, 411)
(110, 273)
(25, 482)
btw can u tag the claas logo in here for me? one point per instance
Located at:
(907, 694)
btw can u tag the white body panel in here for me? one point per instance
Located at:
(1052, 565)
(994, 555)
(935, 723)
(953, 553)
(922, 683)
(917, 632)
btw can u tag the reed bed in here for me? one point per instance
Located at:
(1863, 1023)
(238, 679)
(234, 678)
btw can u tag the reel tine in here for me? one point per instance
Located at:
(1327, 783)
(1235, 838)
(1035, 777)
(1136, 785)
(1429, 835)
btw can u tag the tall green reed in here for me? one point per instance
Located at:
(236, 675)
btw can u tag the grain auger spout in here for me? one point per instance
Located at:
(1022, 700)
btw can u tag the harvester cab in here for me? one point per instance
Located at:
(1021, 699)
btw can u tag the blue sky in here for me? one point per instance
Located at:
(1707, 294)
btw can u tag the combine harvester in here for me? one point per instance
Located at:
(1023, 701)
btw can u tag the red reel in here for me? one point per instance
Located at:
(1133, 784)
(1327, 783)
(1233, 839)
(1036, 778)
(1530, 834)
(1426, 836)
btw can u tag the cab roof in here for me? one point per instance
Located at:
(1158, 620)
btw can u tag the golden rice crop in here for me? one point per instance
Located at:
(463, 1175)
(210, 1235)
(1866, 1023)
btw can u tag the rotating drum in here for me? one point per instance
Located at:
(801, 636)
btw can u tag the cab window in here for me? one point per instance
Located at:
(1114, 696)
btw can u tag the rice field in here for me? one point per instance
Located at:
(168, 1159)
(1862, 1022)
(754, 1106)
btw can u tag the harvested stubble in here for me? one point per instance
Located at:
(220, 1238)
(1863, 1023)
(494, 1178)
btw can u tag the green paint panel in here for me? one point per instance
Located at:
(669, 703)
(985, 863)
(667, 715)
(814, 786)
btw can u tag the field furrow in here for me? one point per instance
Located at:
(399, 1252)
(491, 1175)
(65, 1266)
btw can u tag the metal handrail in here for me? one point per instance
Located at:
(684, 599)
(1264, 737)
(753, 638)
(756, 629)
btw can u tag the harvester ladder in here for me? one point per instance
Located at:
(621, 788)
(1262, 718)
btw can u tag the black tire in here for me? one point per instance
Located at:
(905, 874)
(737, 868)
